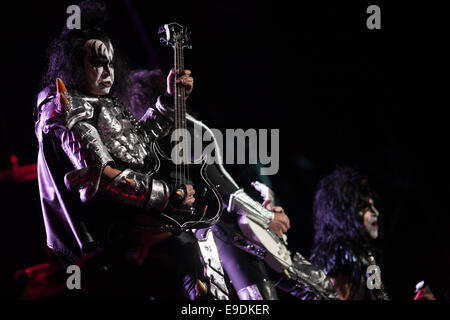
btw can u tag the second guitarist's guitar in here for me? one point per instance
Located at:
(278, 256)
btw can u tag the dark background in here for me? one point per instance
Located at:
(339, 93)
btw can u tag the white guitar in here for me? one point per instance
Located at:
(278, 256)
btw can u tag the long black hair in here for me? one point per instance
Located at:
(339, 241)
(66, 52)
(339, 199)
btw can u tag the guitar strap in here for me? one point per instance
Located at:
(249, 246)
(211, 262)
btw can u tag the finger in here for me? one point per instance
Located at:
(185, 80)
(287, 225)
(188, 84)
(172, 75)
(173, 72)
(187, 72)
(278, 209)
(170, 79)
(277, 212)
(190, 189)
(287, 222)
(276, 231)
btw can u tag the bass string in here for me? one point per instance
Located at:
(180, 107)
(183, 103)
(177, 119)
(181, 115)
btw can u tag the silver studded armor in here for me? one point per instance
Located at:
(242, 203)
(101, 132)
(304, 273)
(117, 130)
(75, 145)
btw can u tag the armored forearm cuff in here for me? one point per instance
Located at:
(130, 188)
(241, 203)
(138, 190)
(159, 196)
(312, 277)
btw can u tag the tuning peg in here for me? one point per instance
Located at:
(162, 40)
(161, 29)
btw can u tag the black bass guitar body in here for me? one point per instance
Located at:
(181, 170)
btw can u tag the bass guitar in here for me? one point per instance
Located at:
(175, 163)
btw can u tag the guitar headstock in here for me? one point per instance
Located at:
(175, 35)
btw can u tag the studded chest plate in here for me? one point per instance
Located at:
(121, 133)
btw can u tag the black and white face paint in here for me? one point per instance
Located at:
(370, 222)
(98, 66)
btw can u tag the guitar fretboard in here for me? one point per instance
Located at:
(179, 94)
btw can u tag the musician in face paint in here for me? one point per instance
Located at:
(346, 227)
(99, 67)
(370, 220)
(90, 145)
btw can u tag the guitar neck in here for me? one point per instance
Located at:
(179, 94)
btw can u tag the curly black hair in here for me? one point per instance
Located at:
(339, 240)
(339, 199)
(66, 53)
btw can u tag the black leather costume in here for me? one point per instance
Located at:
(349, 259)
